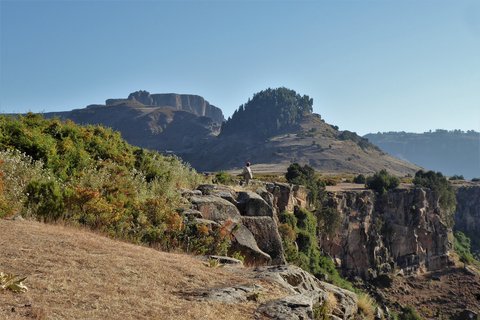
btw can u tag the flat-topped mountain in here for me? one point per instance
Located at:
(184, 102)
(451, 152)
(273, 129)
(155, 121)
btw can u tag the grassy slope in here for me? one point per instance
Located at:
(74, 274)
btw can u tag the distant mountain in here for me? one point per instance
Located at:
(450, 152)
(277, 127)
(155, 121)
(273, 129)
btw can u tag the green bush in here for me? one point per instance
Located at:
(409, 313)
(382, 181)
(462, 247)
(329, 220)
(45, 199)
(360, 179)
(300, 242)
(223, 177)
(305, 175)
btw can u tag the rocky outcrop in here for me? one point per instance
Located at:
(250, 218)
(306, 292)
(215, 208)
(287, 196)
(185, 102)
(400, 230)
(467, 215)
(252, 204)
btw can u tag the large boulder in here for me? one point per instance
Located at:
(215, 208)
(265, 232)
(245, 243)
(252, 204)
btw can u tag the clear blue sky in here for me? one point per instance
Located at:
(369, 65)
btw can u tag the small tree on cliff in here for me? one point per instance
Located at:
(382, 181)
(305, 175)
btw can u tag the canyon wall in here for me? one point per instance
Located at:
(401, 230)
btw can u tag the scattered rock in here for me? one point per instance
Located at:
(467, 315)
(230, 295)
(226, 260)
(294, 307)
(305, 291)
(192, 213)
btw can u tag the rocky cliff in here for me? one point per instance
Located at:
(400, 231)
(467, 216)
(185, 102)
(155, 121)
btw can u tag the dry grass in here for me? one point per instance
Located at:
(366, 306)
(74, 274)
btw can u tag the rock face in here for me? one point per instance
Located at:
(265, 231)
(186, 102)
(254, 230)
(287, 196)
(401, 230)
(215, 208)
(467, 216)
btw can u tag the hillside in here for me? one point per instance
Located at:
(273, 129)
(451, 152)
(75, 274)
(277, 127)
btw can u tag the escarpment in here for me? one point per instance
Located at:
(401, 230)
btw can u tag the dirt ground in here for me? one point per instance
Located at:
(437, 295)
(76, 274)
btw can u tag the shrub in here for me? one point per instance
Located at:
(366, 306)
(223, 177)
(462, 247)
(45, 199)
(328, 220)
(456, 177)
(382, 181)
(360, 179)
(409, 313)
(300, 242)
(305, 175)
(54, 170)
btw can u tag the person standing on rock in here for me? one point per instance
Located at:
(247, 173)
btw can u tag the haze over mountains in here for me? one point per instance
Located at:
(451, 152)
(273, 129)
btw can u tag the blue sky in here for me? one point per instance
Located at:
(369, 65)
